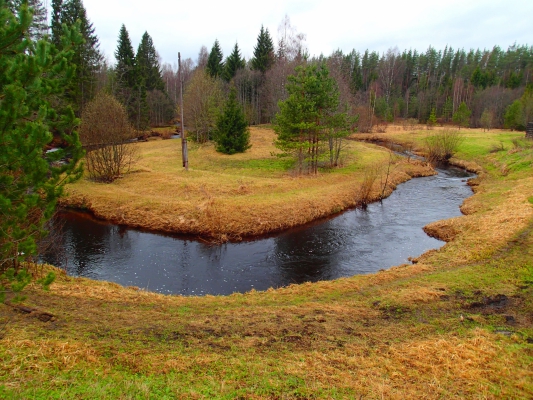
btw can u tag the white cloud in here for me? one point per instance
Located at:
(186, 26)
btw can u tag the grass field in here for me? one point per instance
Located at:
(225, 197)
(458, 323)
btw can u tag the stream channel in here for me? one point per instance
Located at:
(353, 242)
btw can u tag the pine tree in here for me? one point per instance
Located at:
(125, 67)
(215, 64)
(232, 134)
(38, 28)
(307, 115)
(148, 70)
(263, 52)
(33, 76)
(233, 63)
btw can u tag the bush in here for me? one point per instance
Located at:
(105, 133)
(443, 145)
(432, 120)
(409, 124)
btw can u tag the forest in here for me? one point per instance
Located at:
(378, 88)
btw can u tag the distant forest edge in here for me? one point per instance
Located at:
(494, 85)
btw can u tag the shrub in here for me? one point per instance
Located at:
(443, 145)
(364, 194)
(410, 124)
(432, 120)
(105, 133)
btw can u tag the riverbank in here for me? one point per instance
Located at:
(225, 197)
(456, 324)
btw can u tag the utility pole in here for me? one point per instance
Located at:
(184, 152)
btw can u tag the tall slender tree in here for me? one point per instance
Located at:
(215, 63)
(125, 56)
(263, 52)
(234, 62)
(87, 56)
(55, 22)
(147, 62)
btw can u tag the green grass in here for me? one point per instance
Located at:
(433, 329)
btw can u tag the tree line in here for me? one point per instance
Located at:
(428, 86)
(477, 88)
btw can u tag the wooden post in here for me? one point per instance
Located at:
(184, 152)
(529, 130)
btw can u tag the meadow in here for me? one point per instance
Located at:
(456, 323)
(229, 197)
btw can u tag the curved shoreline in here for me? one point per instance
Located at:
(248, 227)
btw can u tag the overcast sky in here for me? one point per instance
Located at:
(185, 26)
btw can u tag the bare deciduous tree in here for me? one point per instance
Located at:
(203, 55)
(105, 132)
(201, 104)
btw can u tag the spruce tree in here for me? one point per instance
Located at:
(263, 52)
(432, 120)
(215, 64)
(87, 56)
(233, 63)
(147, 63)
(232, 134)
(126, 78)
(55, 22)
(33, 76)
(125, 67)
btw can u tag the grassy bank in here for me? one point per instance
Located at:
(456, 324)
(228, 197)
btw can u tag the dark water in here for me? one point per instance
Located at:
(355, 242)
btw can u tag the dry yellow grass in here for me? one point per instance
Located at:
(229, 197)
(428, 330)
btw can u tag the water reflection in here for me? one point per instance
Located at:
(355, 242)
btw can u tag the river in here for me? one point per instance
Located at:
(354, 242)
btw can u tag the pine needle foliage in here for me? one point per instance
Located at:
(33, 78)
